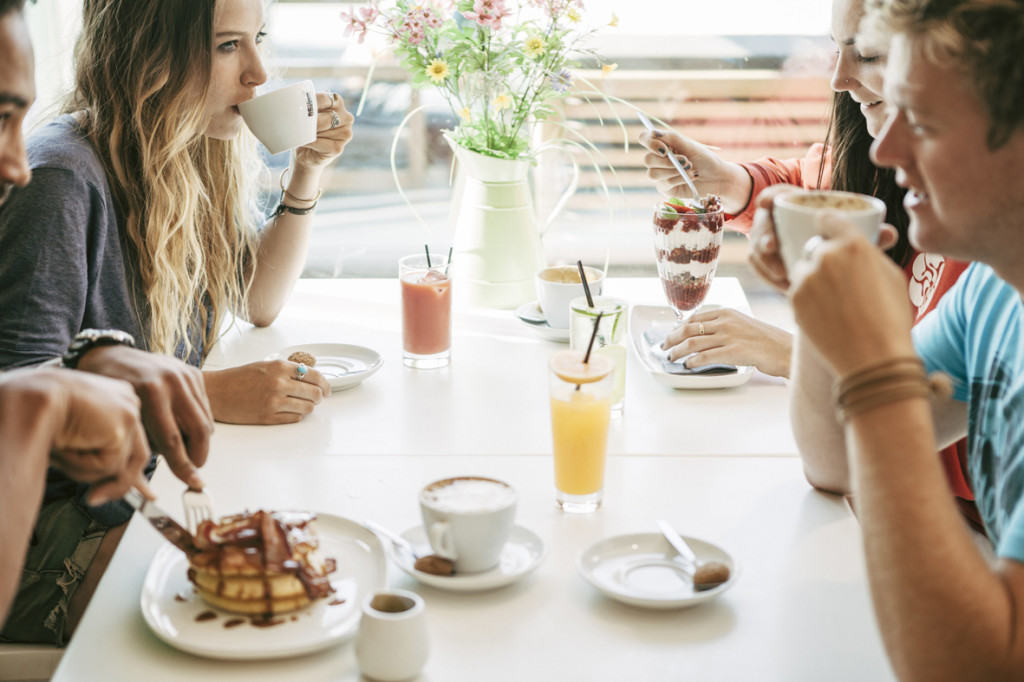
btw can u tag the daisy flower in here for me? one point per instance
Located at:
(437, 71)
(534, 46)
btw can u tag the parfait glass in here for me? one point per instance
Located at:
(687, 241)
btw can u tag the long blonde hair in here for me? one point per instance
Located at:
(186, 202)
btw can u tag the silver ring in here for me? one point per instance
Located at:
(335, 120)
(812, 245)
(700, 328)
(300, 371)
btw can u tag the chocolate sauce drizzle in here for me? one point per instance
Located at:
(268, 542)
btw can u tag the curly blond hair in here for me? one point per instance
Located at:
(981, 38)
(186, 202)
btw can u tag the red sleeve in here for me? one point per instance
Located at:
(929, 277)
(768, 171)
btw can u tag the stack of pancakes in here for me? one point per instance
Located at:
(262, 563)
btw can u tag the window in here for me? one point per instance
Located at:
(760, 89)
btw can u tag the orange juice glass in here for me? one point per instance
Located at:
(426, 311)
(581, 399)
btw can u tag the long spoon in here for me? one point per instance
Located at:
(705, 575)
(671, 156)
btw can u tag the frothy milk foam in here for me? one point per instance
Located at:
(467, 495)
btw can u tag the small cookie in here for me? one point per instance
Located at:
(302, 356)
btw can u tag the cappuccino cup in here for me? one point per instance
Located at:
(558, 285)
(795, 215)
(468, 520)
(283, 119)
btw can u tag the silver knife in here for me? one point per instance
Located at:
(677, 542)
(174, 532)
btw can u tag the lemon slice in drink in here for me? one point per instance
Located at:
(568, 366)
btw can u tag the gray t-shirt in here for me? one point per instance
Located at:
(63, 267)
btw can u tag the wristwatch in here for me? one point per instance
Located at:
(87, 339)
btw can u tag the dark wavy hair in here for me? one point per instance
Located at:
(849, 142)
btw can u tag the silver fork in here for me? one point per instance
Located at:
(198, 508)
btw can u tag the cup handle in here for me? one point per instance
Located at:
(569, 191)
(441, 540)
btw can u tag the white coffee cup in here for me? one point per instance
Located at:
(283, 119)
(558, 285)
(392, 643)
(796, 214)
(468, 520)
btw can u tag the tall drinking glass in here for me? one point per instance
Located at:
(687, 241)
(581, 398)
(426, 311)
(610, 340)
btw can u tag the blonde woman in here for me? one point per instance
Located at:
(141, 217)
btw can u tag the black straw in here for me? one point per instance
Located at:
(426, 247)
(593, 335)
(448, 263)
(586, 287)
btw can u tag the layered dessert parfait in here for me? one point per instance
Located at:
(260, 564)
(687, 240)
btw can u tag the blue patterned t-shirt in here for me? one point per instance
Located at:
(974, 336)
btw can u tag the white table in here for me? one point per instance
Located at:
(800, 609)
(493, 397)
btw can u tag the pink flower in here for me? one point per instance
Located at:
(354, 26)
(431, 19)
(488, 13)
(369, 14)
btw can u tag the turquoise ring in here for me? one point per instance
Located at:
(300, 371)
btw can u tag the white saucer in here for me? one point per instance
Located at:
(342, 364)
(663, 318)
(531, 311)
(639, 569)
(522, 553)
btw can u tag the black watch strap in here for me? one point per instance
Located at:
(87, 339)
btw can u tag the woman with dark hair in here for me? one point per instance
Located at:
(856, 117)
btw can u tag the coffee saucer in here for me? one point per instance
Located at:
(532, 316)
(522, 553)
(640, 569)
(343, 365)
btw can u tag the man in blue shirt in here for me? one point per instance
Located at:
(866, 416)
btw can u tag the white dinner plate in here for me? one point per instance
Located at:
(531, 311)
(342, 364)
(522, 553)
(640, 569)
(662, 319)
(171, 606)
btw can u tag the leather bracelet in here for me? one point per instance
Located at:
(886, 382)
(284, 208)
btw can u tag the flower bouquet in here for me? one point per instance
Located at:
(500, 65)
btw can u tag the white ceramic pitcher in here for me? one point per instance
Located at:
(497, 237)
